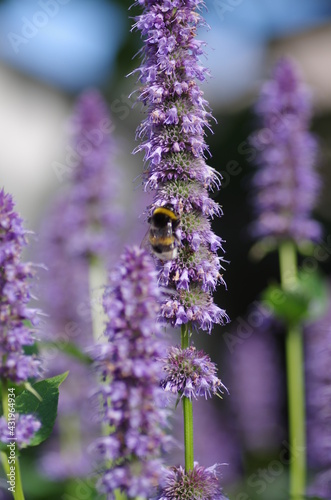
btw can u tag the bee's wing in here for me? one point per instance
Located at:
(145, 242)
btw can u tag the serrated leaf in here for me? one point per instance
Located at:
(44, 410)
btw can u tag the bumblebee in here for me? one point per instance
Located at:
(161, 235)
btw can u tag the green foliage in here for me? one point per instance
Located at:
(305, 300)
(45, 409)
(289, 305)
(68, 348)
(262, 248)
(316, 287)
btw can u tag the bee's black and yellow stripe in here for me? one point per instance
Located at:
(163, 223)
(159, 240)
(165, 211)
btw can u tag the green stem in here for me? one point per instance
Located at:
(188, 415)
(18, 493)
(119, 495)
(4, 397)
(288, 265)
(185, 337)
(295, 380)
(4, 461)
(296, 409)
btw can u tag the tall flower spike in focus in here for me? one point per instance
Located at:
(175, 150)
(131, 393)
(286, 183)
(15, 293)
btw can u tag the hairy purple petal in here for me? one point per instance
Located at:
(190, 373)
(198, 484)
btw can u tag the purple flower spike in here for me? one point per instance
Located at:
(286, 183)
(86, 213)
(318, 382)
(132, 397)
(173, 141)
(81, 227)
(15, 294)
(190, 373)
(197, 484)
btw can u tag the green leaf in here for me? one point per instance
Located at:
(31, 349)
(316, 288)
(306, 300)
(313, 498)
(70, 349)
(46, 409)
(289, 305)
(29, 388)
(262, 248)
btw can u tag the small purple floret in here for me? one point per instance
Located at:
(190, 373)
(197, 484)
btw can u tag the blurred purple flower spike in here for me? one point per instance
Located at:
(318, 381)
(80, 229)
(286, 183)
